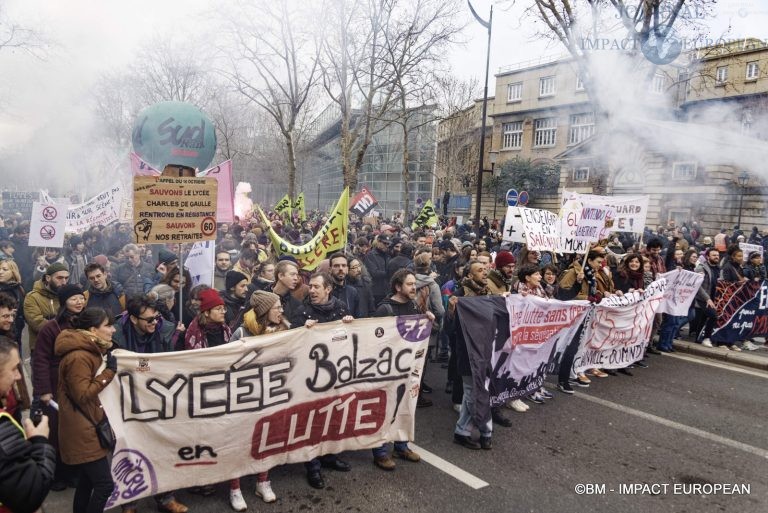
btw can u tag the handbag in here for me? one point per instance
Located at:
(103, 430)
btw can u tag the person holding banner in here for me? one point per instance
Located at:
(320, 306)
(704, 304)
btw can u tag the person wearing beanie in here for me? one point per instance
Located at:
(235, 298)
(502, 279)
(45, 369)
(264, 316)
(208, 328)
(42, 303)
(168, 258)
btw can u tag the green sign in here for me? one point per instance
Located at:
(174, 133)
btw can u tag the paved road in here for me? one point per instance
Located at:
(678, 422)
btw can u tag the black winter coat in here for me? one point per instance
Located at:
(333, 310)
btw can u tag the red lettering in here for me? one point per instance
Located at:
(335, 234)
(331, 418)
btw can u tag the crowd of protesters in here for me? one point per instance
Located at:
(103, 291)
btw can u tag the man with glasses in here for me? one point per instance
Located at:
(141, 329)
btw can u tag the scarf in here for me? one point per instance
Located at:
(524, 289)
(103, 344)
(635, 278)
(197, 333)
(477, 288)
(593, 295)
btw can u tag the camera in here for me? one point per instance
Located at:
(36, 412)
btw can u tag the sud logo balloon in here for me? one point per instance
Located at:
(174, 133)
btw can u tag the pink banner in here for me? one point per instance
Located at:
(225, 211)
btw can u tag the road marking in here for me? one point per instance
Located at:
(762, 453)
(449, 468)
(719, 365)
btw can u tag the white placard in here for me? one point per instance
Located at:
(46, 228)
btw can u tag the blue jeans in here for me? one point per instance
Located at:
(380, 452)
(464, 424)
(669, 328)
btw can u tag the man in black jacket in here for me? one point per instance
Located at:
(347, 294)
(102, 292)
(235, 298)
(286, 281)
(27, 460)
(376, 263)
(319, 306)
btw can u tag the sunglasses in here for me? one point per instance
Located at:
(151, 320)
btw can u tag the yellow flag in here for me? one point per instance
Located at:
(331, 237)
(427, 216)
(283, 207)
(299, 206)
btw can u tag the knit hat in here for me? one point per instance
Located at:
(233, 278)
(56, 267)
(67, 291)
(166, 257)
(210, 299)
(504, 258)
(262, 301)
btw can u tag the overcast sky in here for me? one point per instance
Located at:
(92, 36)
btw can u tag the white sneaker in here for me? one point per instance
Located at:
(706, 343)
(518, 405)
(759, 340)
(236, 500)
(264, 490)
(749, 346)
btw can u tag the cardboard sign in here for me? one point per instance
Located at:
(169, 209)
(514, 231)
(631, 211)
(46, 227)
(542, 229)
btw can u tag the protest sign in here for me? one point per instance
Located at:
(542, 229)
(631, 211)
(19, 202)
(167, 209)
(186, 418)
(742, 311)
(514, 231)
(748, 249)
(595, 222)
(618, 328)
(363, 202)
(427, 216)
(200, 263)
(102, 209)
(47, 224)
(681, 290)
(569, 217)
(332, 236)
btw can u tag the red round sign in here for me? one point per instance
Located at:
(208, 226)
(50, 213)
(47, 232)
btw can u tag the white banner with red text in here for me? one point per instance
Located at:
(192, 418)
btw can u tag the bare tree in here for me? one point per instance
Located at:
(14, 36)
(415, 40)
(276, 67)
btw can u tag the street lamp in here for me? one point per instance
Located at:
(743, 179)
(479, 191)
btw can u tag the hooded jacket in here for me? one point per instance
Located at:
(435, 303)
(40, 305)
(498, 285)
(110, 299)
(127, 337)
(80, 382)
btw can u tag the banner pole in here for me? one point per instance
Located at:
(181, 288)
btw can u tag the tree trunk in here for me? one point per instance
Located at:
(291, 156)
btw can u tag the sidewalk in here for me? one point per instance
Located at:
(754, 359)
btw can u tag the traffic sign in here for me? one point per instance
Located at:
(523, 200)
(512, 197)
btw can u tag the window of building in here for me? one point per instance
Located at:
(515, 92)
(659, 83)
(579, 82)
(547, 86)
(545, 132)
(752, 70)
(722, 74)
(679, 216)
(581, 174)
(683, 170)
(582, 127)
(512, 135)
